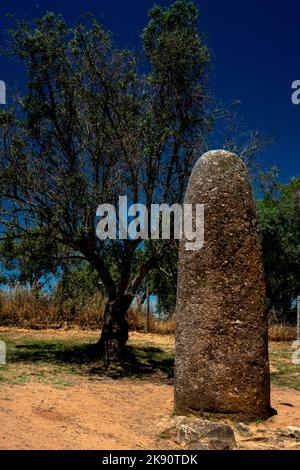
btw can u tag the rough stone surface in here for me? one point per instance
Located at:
(293, 432)
(198, 434)
(243, 429)
(222, 361)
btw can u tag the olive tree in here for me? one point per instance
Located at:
(96, 123)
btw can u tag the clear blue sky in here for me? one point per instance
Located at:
(255, 44)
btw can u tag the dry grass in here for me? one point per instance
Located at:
(282, 333)
(22, 309)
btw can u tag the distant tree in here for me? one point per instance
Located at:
(28, 260)
(78, 283)
(279, 213)
(162, 282)
(92, 127)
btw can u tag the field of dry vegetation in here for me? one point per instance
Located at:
(23, 309)
(20, 308)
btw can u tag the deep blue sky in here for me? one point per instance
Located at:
(255, 44)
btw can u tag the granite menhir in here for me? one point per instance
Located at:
(221, 360)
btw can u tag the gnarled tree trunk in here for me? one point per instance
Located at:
(114, 336)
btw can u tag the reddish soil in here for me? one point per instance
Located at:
(102, 413)
(105, 415)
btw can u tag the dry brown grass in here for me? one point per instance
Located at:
(282, 333)
(22, 309)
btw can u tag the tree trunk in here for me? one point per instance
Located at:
(114, 336)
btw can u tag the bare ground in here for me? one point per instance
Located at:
(98, 412)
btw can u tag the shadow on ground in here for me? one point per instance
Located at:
(141, 361)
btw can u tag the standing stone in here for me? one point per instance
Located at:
(222, 363)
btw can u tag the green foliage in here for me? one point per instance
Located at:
(174, 47)
(162, 282)
(28, 260)
(78, 283)
(279, 213)
(179, 59)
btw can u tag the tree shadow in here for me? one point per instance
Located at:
(140, 361)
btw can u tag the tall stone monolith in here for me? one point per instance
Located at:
(221, 363)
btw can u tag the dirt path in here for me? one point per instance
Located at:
(287, 404)
(103, 415)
